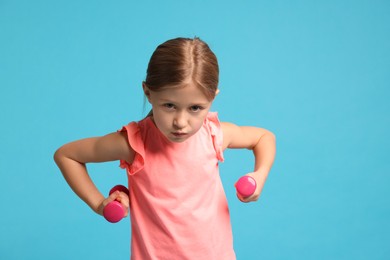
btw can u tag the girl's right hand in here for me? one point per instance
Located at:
(119, 196)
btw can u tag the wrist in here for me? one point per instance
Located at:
(99, 206)
(261, 173)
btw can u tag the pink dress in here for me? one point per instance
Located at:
(178, 207)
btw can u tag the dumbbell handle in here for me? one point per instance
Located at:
(114, 211)
(246, 186)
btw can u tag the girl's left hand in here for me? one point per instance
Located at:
(260, 180)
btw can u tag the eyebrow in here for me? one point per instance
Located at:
(192, 104)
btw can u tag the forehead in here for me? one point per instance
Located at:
(182, 94)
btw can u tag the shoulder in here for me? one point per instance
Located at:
(229, 130)
(116, 144)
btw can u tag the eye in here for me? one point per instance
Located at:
(196, 108)
(169, 106)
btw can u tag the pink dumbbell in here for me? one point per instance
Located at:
(114, 211)
(246, 186)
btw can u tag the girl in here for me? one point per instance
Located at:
(177, 203)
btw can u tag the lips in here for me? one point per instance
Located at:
(179, 134)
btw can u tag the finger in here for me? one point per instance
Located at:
(123, 198)
(252, 198)
(113, 196)
(241, 198)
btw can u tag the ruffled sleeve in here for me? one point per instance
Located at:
(216, 134)
(135, 141)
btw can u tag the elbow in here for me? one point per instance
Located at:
(267, 137)
(272, 136)
(58, 155)
(273, 141)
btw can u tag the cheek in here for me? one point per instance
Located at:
(198, 123)
(160, 119)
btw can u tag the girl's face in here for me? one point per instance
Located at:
(178, 112)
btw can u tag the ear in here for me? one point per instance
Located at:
(216, 92)
(146, 91)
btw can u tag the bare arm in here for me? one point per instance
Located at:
(72, 157)
(261, 142)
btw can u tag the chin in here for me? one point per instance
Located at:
(177, 140)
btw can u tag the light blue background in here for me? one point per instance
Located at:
(316, 73)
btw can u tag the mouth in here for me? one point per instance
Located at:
(179, 137)
(179, 134)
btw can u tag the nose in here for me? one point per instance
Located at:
(180, 120)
